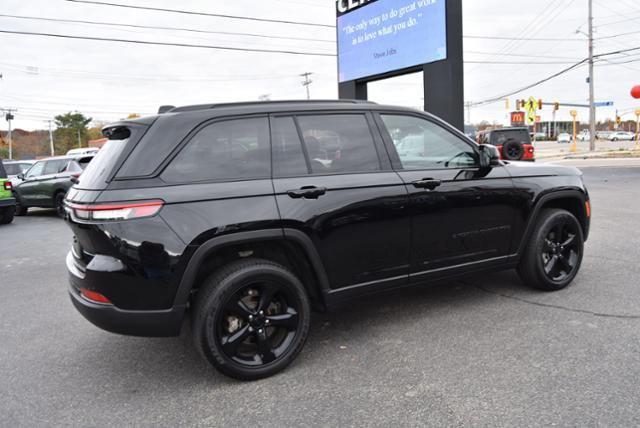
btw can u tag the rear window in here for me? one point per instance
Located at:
(501, 137)
(13, 169)
(98, 169)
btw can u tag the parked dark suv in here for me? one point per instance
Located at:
(46, 183)
(246, 216)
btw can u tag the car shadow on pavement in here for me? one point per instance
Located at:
(169, 361)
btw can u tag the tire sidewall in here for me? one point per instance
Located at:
(541, 233)
(509, 143)
(215, 303)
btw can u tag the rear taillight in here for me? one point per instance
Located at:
(94, 297)
(8, 186)
(115, 211)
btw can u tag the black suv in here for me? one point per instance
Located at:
(46, 183)
(248, 215)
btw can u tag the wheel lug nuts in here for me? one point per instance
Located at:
(261, 312)
(266, 321)
(250, 329)
(250, 317)
(260, 331)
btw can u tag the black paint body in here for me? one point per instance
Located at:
(368, 232)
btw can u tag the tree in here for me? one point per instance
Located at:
(70, 128)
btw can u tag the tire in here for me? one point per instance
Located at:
(20, 209)
(554, 253)
(6, 215)
(269, 332)
(512, 150)
(58, 204)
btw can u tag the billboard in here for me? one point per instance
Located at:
(382, 36)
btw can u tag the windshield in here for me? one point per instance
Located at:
(97, 172)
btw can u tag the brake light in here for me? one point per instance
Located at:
(94, 297)
(116, 212)
(8, 185)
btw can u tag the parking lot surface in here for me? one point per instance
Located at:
(481, 351)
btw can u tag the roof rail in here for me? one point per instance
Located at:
(251, 103)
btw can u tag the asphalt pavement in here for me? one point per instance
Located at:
(482, 351)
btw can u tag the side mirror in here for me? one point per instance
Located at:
(489, 156)
(20, 176)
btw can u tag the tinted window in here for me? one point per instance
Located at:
(55, 166)
(13, 169)
(339, 143)
(288, 158)
(36, 170)
(422, 144)
(230, 150)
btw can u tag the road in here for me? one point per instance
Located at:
(482, 351)
(546, 149)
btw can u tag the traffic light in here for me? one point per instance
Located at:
(506, 103)
(618, 120)
(539, 104)
(556, 106)
(518, 106)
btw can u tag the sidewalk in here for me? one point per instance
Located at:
(604, 150)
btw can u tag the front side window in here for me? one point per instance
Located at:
(55, 166)
(231, 150)
(340, 143)
(422, 144)
(35, 170)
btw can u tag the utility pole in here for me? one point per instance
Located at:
(592, 107)
(307, 82)
(79, 141)
(468, 106)
(51, 138)
(9, 116)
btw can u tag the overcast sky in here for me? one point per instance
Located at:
(46, 76)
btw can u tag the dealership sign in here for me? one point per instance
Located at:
(376, 37)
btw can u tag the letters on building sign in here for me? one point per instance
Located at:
(345, 6)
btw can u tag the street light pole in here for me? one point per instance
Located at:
(592, 107)
(51, 139)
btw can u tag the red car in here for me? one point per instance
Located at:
(514, 144)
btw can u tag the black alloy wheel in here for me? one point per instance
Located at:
(560, 252)
(20, 209)
(251, 318)
(258, 323)
(554, 252)
(59, 204)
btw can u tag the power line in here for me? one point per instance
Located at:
(533, 39)
(553, 76)
(215, 15)
(181, 45)
(153, 27)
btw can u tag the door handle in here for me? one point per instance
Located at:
(307, 192)
(427, 183)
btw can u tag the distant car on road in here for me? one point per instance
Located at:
(47, 181)
(83, 151)
(538, 136)
(603, 135)
(564, 138)
(512, 143)
(621, 136)
(15, 168)
(584, 136)
(7, 202)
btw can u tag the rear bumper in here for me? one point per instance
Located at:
(7, 202)
(163, 323)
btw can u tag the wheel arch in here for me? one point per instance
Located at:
(293, 249)
(570, 200)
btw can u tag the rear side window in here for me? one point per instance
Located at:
(501, 137)
(3, 173)
(12, 169)
(340, 143)
(236, 149)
